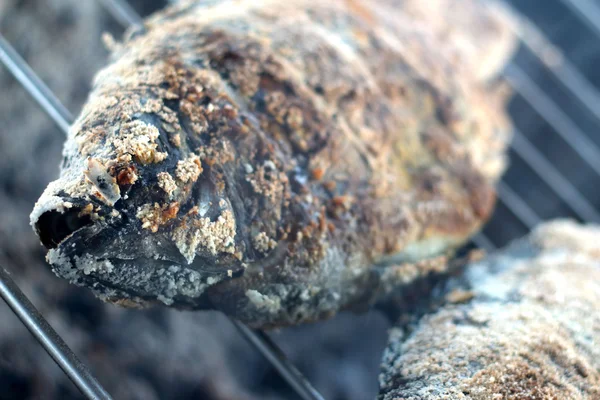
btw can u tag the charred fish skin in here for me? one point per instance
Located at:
(260, 158)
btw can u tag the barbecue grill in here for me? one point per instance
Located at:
(556, 107)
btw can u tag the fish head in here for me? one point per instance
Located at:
(145, 208)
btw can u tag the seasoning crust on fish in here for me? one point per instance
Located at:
(277, 160)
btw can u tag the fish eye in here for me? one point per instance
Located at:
(53, 226)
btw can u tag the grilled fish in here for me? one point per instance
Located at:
(281, 161)
(522, 323)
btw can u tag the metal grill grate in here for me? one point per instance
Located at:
(513, 199)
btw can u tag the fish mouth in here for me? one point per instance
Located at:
(120, 265)
(54, 226)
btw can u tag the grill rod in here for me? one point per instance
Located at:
(35, 322)
(577, 84)
(123, 13)
(9, 291)
(481, 241)
(562, 124)
(277, 358)
(517, 205)
(34, 85)
(553, 178)
(554, 60)
(587, 10)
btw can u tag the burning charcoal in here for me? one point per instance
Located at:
(271, 159)
(522, 323)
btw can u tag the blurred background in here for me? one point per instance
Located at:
(165, 354)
